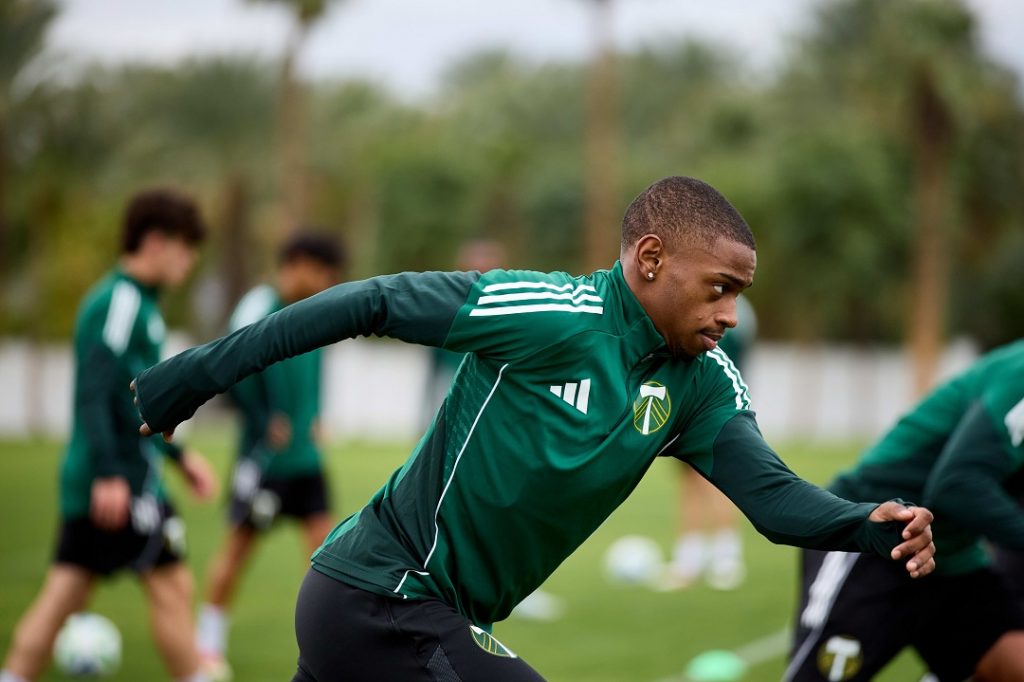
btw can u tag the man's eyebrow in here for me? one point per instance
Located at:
(735, 281)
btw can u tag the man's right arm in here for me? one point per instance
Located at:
(413, 307)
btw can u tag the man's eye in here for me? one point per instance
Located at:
(719, 289)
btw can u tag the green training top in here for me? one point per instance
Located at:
(290, 388)
(566, 398)
(118, 333)
(960, 452)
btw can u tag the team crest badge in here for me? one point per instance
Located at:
(652, 407)
(488, 643)
(840, 658)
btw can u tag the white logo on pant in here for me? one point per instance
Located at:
(840, 658)
(576, 394)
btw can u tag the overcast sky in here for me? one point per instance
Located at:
(408, 43)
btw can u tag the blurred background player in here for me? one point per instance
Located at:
(709, 542)
(278, 471)
(114, 510)
(961, 452)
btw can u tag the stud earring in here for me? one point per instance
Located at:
(650, 275)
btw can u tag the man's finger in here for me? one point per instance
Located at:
(145, 430)
(920, 520)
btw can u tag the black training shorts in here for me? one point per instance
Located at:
(153, 537)
(257, 504)
(351, 635)
(858, 611)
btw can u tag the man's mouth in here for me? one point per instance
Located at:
(710, 340)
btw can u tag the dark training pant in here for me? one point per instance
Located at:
(351, 635)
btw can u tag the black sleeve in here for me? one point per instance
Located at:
(785, 508)
(966, 484)
(413, 307)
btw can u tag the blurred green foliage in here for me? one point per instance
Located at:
(818, 153)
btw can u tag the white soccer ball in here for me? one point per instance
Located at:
(634, 560)
(88, 645)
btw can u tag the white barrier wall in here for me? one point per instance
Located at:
(376, 389)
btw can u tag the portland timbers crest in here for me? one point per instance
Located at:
(652, 407)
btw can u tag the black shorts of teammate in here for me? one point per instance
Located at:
(1010, 564)
(349, 634)
(857, 612)
(153, 538)
(258, 508)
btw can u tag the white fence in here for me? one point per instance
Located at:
(376, 389)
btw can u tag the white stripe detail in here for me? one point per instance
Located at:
(742, 399)
(583, 400)
(538, 308)
(832, 574)
(557, 390)
(458, 458)
(666, 445)
(570, 393)
(540, 296)
(505, 286)
(124, 308)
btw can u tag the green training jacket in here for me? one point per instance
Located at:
(118, 333)
(566, 397)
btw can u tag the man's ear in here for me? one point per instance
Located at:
(649, 252)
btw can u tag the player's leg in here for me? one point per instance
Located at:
(349, 634)
(690, 552)
(315, 528)
(1004, 661)
(168, 591)
(222, 579)
(854, 616)
(65, 590)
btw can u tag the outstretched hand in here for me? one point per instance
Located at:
(917, 547)
(199, 474)
(144, 429)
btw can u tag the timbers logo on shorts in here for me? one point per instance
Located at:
(839, 658)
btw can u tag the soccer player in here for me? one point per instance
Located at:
(115, 514)
(572, 386)
(961, 451)
(278, 471)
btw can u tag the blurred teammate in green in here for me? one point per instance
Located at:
(570, 388)
(961, 452)
(115, 514)
(278, 471)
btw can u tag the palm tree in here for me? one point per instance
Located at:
(292, 115)
(601, 145)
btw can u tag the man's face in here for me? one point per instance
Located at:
(176, 258)
(303, 277)
(692, 298)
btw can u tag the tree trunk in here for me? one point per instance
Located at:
(235, 263)
(601, 212)
(292, 139)
(932, 130)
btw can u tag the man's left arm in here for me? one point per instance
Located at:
(788, 510)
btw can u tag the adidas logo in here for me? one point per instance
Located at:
(576, 394)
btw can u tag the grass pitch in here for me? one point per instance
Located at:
(609, 633)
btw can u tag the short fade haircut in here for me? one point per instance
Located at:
(314, 245)
(678, 209)
(163, 210)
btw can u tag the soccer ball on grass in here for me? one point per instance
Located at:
(88, 645)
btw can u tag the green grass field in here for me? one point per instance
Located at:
(609, 633)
